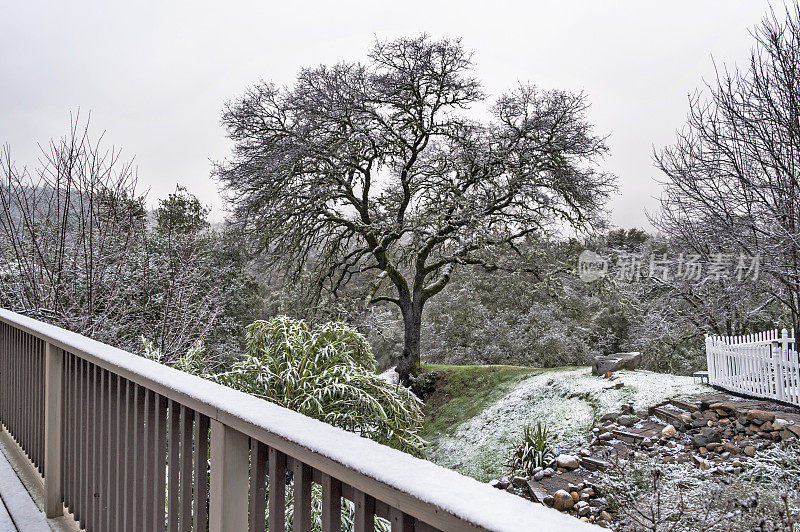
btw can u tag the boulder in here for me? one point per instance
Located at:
(567, 461)
(562, 500)
(668, 432)
(627, 421)
(760, 415)
(610, 363)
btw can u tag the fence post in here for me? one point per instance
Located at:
(709, 359)
(782, 358)
(230, 463)
(54, 364)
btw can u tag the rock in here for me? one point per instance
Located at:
(605, 516)
(605, 436)
(627, 420)
(760, 415)
(610, 363)
(539, 475)
(548, 472)
(767, 427)
(519, 482)
(548, 501)
(794, 429)
(709, 435)
(787, 435)
(702, 463)
(779, 423)
(567, 461)
(585, 452)
(562, 500)
(583, 508)
(495, 483)
(750, 451)
(538, 493)
(667, 432)
(605, 418)
(713, 446)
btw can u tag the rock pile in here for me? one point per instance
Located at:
(718, 435)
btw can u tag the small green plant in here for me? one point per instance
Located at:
(424, 384)
(533, 451)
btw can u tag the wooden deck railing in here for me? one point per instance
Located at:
(124, 443)
(764, 365)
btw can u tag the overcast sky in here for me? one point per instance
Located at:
(155, 78)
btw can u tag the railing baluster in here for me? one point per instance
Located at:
(187, 418)
(258, 486)
(83, 480)
(364, 512)
(129, 443)
(160, 464)
(201, 473)
(96, 408)
(139, 436)
(173, 506)
(400, 521)
(277, 491)
(331, 504)
(109, 522)
(149, 458)
(302, 495)
(119, 487)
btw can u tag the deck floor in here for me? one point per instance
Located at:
(20, 502)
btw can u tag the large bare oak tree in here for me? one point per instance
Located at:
(386, 169)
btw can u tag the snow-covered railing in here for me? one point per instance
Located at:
(109, 432)
(762, 365)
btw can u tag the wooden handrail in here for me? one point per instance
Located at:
(411, 492)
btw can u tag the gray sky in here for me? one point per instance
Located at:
(155, 75)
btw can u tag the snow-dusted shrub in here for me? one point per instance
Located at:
(648, 495)
(327, 373)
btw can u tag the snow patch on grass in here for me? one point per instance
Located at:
(566, 401)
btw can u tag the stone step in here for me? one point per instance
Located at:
(629, 437)
(684, 405)
(593, 464)
(667, 416)
(537, 491)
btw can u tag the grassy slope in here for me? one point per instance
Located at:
(463, 392)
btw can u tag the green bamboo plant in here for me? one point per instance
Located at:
(327, 373)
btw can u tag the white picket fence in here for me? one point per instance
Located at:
(761, 365)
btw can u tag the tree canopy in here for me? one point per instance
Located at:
(381, 169)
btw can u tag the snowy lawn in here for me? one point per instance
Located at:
(568, 401)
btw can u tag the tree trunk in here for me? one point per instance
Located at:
(408, 364)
